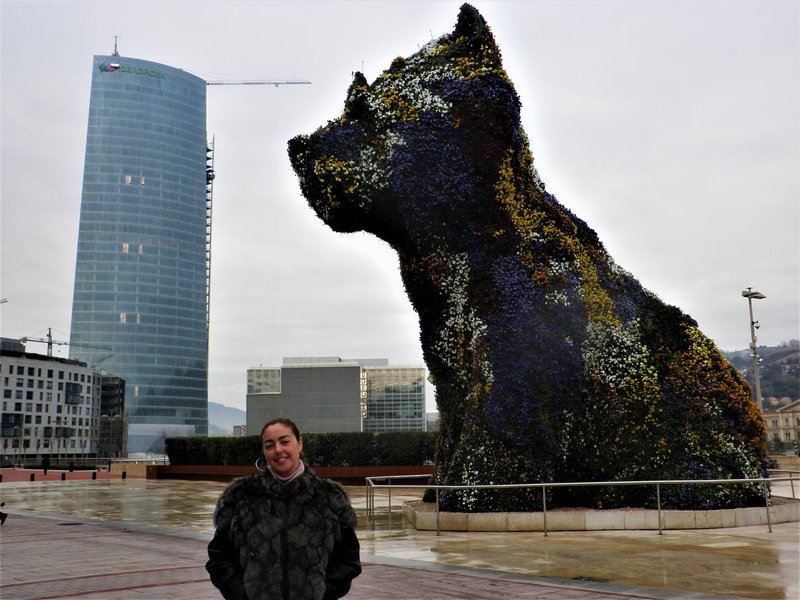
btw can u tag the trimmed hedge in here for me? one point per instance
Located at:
(60, 467)
(396, 448)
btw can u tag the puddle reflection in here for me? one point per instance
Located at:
(184, 505)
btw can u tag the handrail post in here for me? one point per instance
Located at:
(658, 506)
(544, 507)
(390, 504)
(766, 501)
(437, 511)
(366, 493)
(791, 482)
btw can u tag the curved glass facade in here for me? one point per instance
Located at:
(139, 306)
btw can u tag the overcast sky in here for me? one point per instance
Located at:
(670, 127)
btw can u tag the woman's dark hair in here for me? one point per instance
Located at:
(283, 421)
(291, 425)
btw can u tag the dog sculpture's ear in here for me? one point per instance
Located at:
(470, 23)
(356, 106)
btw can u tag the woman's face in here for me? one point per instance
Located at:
(281, 449)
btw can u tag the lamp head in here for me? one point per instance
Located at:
(752, 294)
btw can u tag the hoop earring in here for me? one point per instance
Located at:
(261, 468)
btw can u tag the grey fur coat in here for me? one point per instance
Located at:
(290, 541)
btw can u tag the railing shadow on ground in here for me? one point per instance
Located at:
(372, 486)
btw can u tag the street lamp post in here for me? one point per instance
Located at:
(751, 295)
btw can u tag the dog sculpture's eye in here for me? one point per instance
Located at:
(358, 108)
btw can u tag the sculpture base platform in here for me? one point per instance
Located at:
(422, 516)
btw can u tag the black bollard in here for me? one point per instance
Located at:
(33, 476)
(94, 475)
(63, 476)
(124, 474)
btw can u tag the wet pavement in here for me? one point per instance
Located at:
(136, 538)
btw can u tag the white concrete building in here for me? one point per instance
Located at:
(50, 407)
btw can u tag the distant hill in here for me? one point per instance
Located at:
(221, 419)
(779, 371)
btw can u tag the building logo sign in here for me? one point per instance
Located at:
(363, 394)
(106, 67)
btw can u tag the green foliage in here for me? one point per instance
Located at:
(339, 449)
(321, 449)
(239, 451)
(775, 446)
(405, 448)
(60, 467)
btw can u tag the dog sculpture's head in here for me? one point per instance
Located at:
(549, 360)
(410, 150)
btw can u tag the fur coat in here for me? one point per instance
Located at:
(289, 541)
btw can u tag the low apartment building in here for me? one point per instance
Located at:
(50, 406)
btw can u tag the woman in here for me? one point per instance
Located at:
(284, 533)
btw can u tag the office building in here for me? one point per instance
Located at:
(432, 420)
(331, 394)
(140, 303)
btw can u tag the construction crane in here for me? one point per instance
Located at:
(50, 341)
(275, 82)
(210, 175)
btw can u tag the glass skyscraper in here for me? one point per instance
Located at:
(140, 303)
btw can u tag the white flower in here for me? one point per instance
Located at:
(616, 354)
(462, 328)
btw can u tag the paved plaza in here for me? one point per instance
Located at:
(134, 538)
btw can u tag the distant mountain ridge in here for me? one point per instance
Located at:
(221, 419)
(779, 371)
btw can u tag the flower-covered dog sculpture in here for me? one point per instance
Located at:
(551, 363)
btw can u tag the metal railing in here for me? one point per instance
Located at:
(372, 486)
(793, 476)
